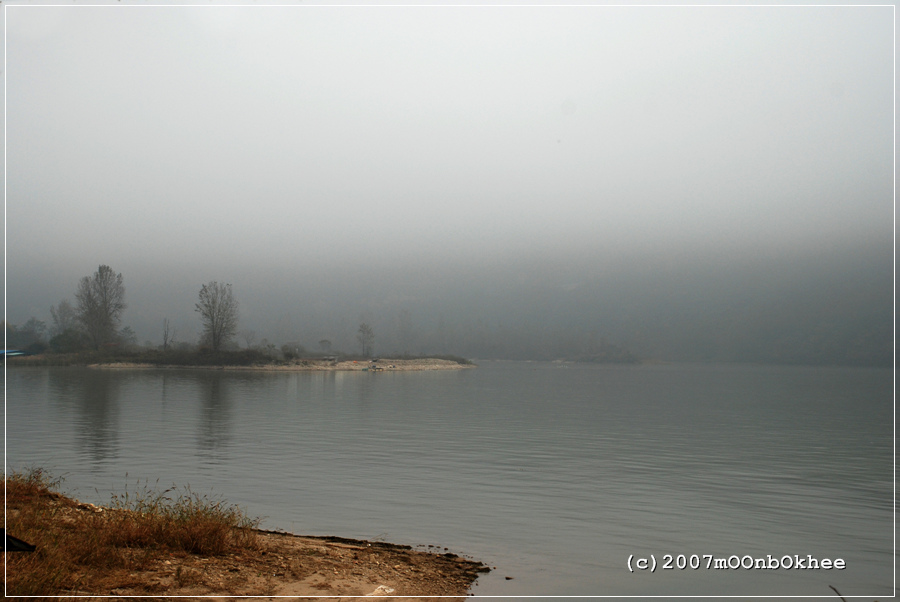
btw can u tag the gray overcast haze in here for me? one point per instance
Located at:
(688, 182)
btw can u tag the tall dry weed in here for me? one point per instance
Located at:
(80, 548)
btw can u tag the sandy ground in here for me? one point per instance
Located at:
(318, 365)
(276, 564)
(309, 568)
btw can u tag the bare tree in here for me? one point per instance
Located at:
(249, 337)
(66, 336)
(128, 338)
(219, 312)
(325, 346)
(27, 336)
(168, 334)
(366, 338)
(101, 301)
(64, 318)
(34, 328)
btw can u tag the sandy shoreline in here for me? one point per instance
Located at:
(309, 567)
(272, 564)
(310, 366)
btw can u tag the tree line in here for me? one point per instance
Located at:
(93, 322)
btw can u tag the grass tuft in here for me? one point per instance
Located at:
(84, 548)
(179, 520)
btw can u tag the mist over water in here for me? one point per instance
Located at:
(689, 183)
(823, 306)
(693, 186)
(709, 189)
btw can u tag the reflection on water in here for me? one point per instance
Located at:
(215, 426)
(95, 396)
(554, 475)
(98, 404)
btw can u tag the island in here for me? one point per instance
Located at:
(242, 360)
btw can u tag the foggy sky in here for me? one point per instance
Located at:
(463, 163)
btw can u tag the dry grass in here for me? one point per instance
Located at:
(83, 548)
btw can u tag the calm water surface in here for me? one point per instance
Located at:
(553, 473)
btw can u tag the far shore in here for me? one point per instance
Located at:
(381, 365)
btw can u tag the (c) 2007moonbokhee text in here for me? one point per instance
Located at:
(797, 562)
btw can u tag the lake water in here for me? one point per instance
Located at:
(553, 473)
